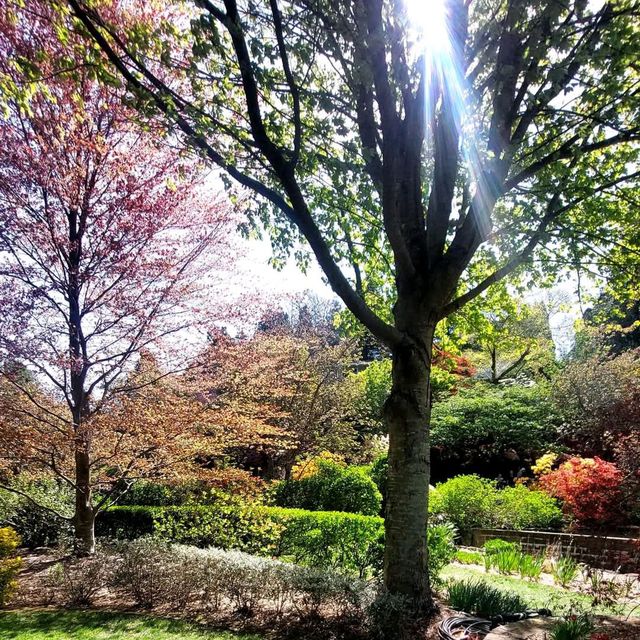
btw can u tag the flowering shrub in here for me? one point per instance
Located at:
(544, 464)
(9, 566)
(311, 466)
(590, 489)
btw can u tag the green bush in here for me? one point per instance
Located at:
(480, 423)
(332, 488)
(470, 502)
(465, 501)
(464, 556)
(441, 549)
(330, 539)
(378, 472)
(479, 598)
(496, 545)
(350, 542)
(522, 508)
(37, 526)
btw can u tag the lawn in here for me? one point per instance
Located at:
(94, 625)
(535, 594)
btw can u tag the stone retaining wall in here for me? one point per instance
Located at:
(603, 552)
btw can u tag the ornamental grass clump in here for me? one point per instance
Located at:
(480, 598)
(564, 570)
(573, 627)
(530, 567)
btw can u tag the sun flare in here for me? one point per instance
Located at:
(430, 19)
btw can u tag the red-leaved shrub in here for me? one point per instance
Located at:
(590, 489)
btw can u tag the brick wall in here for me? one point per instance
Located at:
(603, 552)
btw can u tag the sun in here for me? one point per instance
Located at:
(429, 18)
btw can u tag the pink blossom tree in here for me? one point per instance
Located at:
(111, 245)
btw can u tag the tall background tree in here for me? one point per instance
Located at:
(430, 153)
(104, 239)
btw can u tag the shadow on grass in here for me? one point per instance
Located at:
(62, 624)
(98, 625)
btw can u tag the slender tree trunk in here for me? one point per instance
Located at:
(407, 413)
(84, 517)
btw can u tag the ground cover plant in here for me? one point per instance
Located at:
(480, 598)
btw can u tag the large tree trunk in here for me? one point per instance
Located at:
(407, 413)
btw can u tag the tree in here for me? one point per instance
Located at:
(429, 160)
(599, 400)
(285, 393)
(104, 235)
(492, 430)
(514, 340)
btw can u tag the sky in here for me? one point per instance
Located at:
(291, 281)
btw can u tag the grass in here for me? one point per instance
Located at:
(97, 625)
(536, 595)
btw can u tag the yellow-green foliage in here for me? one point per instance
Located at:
(9, 567)
(9, 541)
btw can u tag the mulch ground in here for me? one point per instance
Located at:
(33, 592)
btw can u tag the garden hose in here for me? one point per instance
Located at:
(472, 626)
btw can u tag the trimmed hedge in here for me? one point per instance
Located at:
(316, 538)
(346, 541)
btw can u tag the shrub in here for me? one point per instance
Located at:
(589, 488)
(333, 487)
(479, 598)
(496, 545)
(465, 501)
(78, 581)
(479, 424)
(470, 502)
(522, 508)
(155, 573)
(245, 527)
(341, 540)
(9, 566)
(152, 573)
(230, 484)
(378, 472)
(464, 556)
(37, 526)
(441, 549)
(345, 541)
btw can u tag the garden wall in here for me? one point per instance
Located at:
(603, 552)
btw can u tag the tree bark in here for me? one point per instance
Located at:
(407, 413)
(84, 516)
